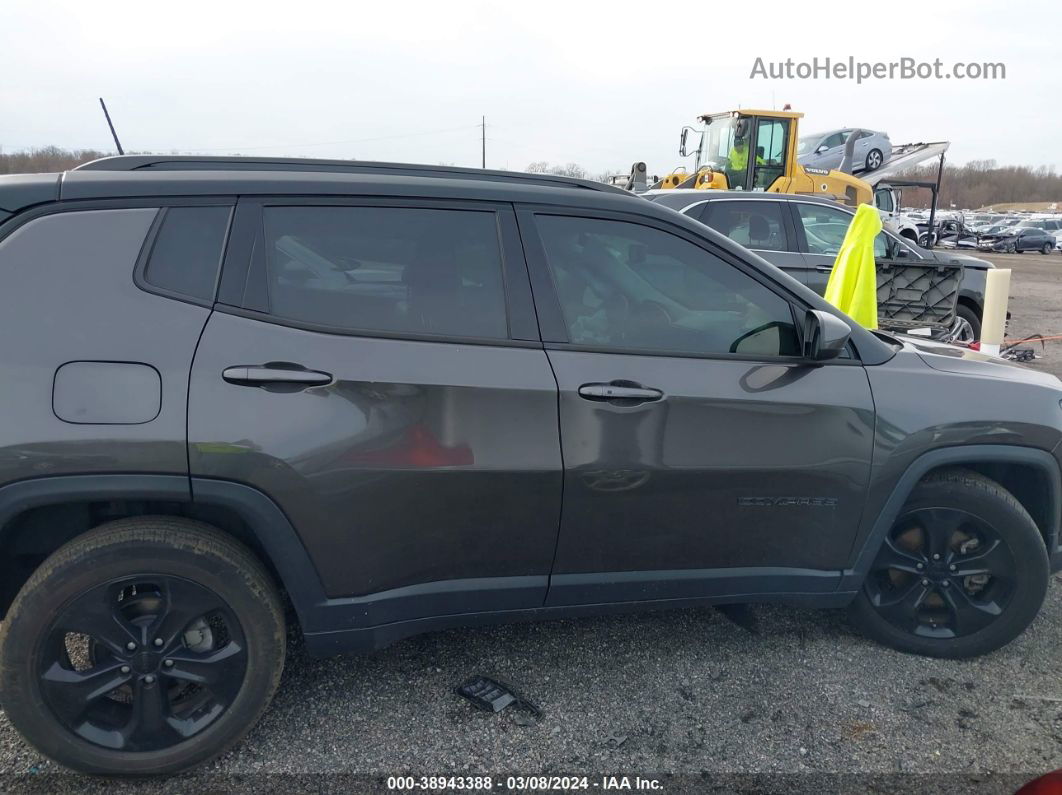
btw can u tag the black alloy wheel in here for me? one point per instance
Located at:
(142, 663)
(942, 573)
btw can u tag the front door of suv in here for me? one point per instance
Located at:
(820, 233)
(702, 456)
(374, 368)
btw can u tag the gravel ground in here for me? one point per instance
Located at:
(686, 697)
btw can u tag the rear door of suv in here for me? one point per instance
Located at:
(703, 456)
(374, 367)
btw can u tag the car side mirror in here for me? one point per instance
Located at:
(825, 336)
(901, 252)
(822, 148)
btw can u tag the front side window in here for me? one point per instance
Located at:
(835, 140)
(753, 224)
(386, 269)
(825, 228)
(627, 286)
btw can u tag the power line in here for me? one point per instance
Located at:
(226, 149)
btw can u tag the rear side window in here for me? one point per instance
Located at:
(186, 253)
(753, 224)
(387, 269)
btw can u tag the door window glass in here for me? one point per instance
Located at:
(825, 228)
(629, 286)
(753, 224)
(772, 139)
(389, 269)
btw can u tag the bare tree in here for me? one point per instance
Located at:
(566, 170)
(46, 160)
(983, 183)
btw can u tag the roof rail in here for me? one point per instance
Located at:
(197, 163)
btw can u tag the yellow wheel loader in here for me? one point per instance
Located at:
(754, 150)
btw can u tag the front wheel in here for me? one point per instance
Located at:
(962, 572)
(971, 323)
(143, 647)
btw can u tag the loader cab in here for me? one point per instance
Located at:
(753, 149)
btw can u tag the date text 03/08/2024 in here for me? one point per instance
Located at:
(523, 783)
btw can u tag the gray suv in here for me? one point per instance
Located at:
(402, 398)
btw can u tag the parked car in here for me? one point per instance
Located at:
(1047, 224)
(826, 150)
(955, 233)
(779, 228)
(413, 398)
(1018, 239)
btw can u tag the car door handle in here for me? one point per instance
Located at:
(618, 392)
(824, 268)
(258, 375)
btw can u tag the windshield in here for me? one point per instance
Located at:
(806, 145)
(717, 140)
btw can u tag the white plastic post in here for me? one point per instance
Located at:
(994, 317)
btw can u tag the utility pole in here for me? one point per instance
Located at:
(483, 140)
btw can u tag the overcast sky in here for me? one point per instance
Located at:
(598, 83)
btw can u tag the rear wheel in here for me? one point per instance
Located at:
(144, 647)
(1046, 248)
(962, 572)
(874, 159)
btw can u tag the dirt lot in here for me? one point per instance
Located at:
(686, 696)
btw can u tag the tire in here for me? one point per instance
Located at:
(874, 160)
(141, 578)
(969, 314)
(1047, 247)
(1017, 591)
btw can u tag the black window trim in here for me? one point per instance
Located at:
(244, 265)
(551, 318)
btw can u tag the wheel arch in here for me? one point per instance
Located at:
(39, 515)
(1032, 475)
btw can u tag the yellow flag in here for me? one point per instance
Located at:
(853, 285)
